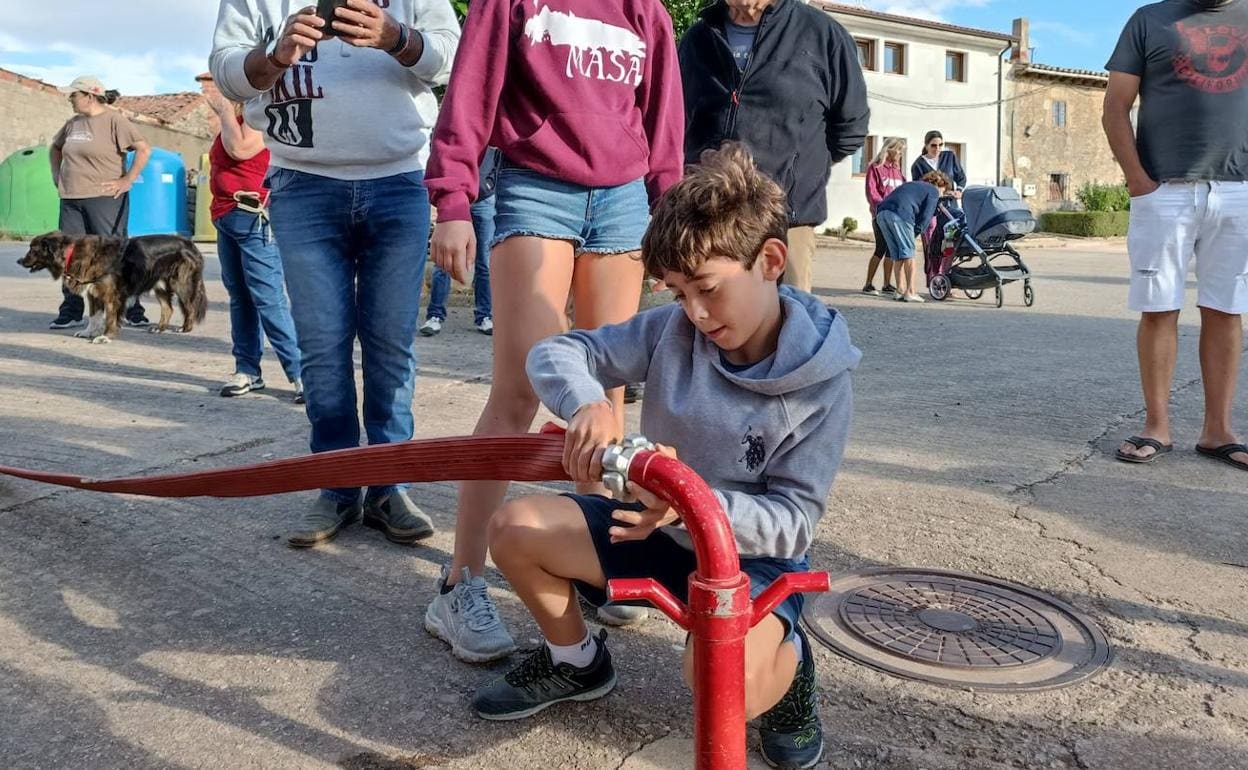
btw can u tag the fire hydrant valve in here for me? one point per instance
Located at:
(617, 460)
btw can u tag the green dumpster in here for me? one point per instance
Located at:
(29, 204)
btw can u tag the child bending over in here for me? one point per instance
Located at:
(750, 382)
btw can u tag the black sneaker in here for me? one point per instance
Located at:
(870, 289)
(888, 289)
(539, 682)
(790, 733)
(67, 321)
(137, 319)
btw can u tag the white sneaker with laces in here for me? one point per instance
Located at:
(241, 384)
(467, 619)
(431, 327)
(486, 326)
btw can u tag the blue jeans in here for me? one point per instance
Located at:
(440, 286)
(252, 273)
(898, 235)
(353, 252)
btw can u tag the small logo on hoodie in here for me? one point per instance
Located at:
(755, 450)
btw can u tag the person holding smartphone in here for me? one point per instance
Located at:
(345, 104)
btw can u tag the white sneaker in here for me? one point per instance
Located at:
(241, 384)
(914, 298)
(467, 619)
(486, 326)
(431, 327)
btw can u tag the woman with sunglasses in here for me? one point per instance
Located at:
(936, 158)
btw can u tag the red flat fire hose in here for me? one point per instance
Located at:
(719, 612)
(536, 457)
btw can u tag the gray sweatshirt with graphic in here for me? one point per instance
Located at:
(340, 111)
(768, 439)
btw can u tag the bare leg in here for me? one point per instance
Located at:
(1221, 348)
(874, 265)
(606, 289)
(542, 544)
(1157, 343)
(529, 278)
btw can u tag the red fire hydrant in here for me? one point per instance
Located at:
(719, 613)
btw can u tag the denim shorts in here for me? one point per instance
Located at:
(597, 220)
(898, 235)
(662, 558)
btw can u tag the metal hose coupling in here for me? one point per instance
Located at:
(617, 459)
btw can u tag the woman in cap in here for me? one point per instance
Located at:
(88, 159)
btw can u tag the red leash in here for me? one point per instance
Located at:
(530, 457)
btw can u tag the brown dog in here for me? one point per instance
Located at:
(110, 272)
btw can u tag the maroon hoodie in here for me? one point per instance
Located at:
(585, 91)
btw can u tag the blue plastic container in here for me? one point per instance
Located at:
(158, 197)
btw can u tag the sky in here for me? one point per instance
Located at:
(159, 46)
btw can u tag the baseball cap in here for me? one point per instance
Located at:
(88, 84)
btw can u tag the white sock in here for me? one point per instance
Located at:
(578, 655)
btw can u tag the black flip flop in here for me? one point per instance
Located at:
(1224, 452)
(1139, 442)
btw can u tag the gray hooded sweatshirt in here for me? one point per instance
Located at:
(767, 439)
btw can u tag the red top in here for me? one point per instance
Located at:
(582, 91)
(882, 179)
(230, 176)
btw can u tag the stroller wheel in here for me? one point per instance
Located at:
(940, 287)
(1029, 296)
(1000, 296)
(974, 293)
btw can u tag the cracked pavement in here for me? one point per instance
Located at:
(183, 633)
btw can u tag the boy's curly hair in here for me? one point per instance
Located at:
(724, 208)
(937, 178)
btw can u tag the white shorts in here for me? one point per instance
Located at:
(1184, 221)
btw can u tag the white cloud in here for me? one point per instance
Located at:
(137, 47)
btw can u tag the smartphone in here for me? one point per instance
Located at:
(325, 9)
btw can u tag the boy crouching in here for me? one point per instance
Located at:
(750, 382)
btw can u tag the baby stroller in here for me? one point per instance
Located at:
(972, 250)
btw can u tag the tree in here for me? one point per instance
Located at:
(684, 13)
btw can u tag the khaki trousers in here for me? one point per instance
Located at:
(801, 257)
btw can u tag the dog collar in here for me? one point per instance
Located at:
(69, 256)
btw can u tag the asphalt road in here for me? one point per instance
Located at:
(147, 633)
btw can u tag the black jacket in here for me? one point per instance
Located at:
(800, 106)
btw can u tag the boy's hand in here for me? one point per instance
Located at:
(642, 524)
(590, 430)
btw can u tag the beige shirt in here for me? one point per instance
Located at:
(93, 151)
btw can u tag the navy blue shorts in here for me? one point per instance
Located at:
(662, 558)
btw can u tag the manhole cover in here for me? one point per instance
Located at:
(958, 630)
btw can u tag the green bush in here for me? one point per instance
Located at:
(849, 225)
(1088, 224)
(1104, 197)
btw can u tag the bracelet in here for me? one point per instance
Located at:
(402, 41)
(271, 58)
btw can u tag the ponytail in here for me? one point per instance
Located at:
(110, 97)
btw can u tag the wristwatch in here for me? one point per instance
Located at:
(270, 54)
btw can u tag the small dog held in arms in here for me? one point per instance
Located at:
(111, 272)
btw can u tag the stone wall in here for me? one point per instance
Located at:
(1036, 149)
(31, 112)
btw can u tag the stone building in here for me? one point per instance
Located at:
(31, 112)
(1052, 124)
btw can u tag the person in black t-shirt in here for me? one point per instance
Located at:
(1187, 170)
